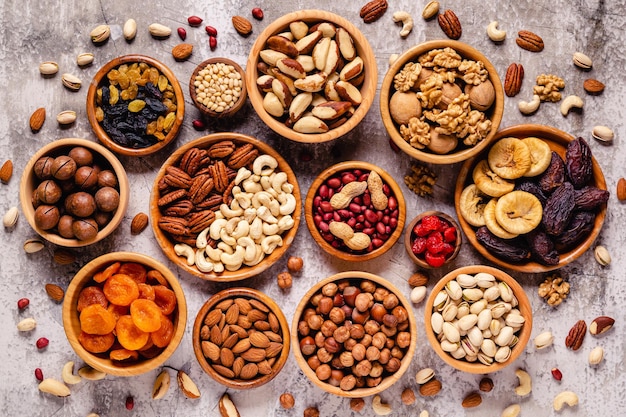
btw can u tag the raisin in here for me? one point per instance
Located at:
(534, 189)
(559, 209)
(578, 228)
(542, 248)
(590, 197)
(578, 162)
(554, 176)
(501, 249)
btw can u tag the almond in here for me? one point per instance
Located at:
(274, 349)
(418, 279)
(621, 189)
(64, 256)
(242, 346)
(254, 355)
(244, 305)
(259, 340)
(258, 305)
(6, 171)
(182, 51)
(242, 25)
(37, 119)
(430, 388)
(139, 223)
(232, 314)
(55, 292)
(213, 317)
(593, 86)
(249, 371)
(472, 400)
(210, 350)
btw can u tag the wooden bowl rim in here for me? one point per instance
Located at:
(240, 101)
(71, 323)
(245, 271)
(247, 293)
(347, 165)
(524, 307)
(556, 138)
(357, 392)
(368, 89)
(409, 231)
(465, 50)
(28, 178)
(91, 108)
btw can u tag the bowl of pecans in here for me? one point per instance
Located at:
(315, 75)
(225, 207)
(218, 87)
(135, 105)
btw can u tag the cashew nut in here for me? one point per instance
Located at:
(529, 107)
(285, 223)
(258, 257)
(380, 408)
(274, 207)
(216, 227)
(264, 165)
(252, 186)
(231, 211)
(288, 203)
(407, 22)
(243, 199)
(571, 102)
(494, 33)
(218, 267)
(202, 239)
(262, 198)
(233, 261)
(525, 383)
(271, 229)
(226, 238)
(213, 253)
(248, 244)
(278, 180)
(265, 214)
(269, 243)
(511, 411)
(225, 248)
(266, 183)
(242, 229)
(183, 249)
(243, 174)
(566, 397)
(68, 374)
(256, 228)
(202, 263)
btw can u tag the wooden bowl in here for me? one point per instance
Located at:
(167, 243)
(409, 236)
(461, 153)
(558, 141)
(237, 105)
(255, 296)
(71, 323)
(99, 131)
(105, 158)
(345, 254)
(367, 88)
(523, 334)
(355, 278)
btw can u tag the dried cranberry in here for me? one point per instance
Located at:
(22, 303)
(434, 260)
(448, 249)
(449, 234)
(257, 13)
(42, 342)
(431, 223)
(419, 245)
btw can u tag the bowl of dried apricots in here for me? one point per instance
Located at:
(124, 313)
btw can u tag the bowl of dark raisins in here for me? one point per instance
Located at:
(135, 105)
(539, 222)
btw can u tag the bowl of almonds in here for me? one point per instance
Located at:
(478, 319)
(218, 87)
(241, 338)
(315, 76)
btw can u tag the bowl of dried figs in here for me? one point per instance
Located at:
(225, 207)
(353, 334)
(315, 76)
(135, 105)
(533, 201)
(441, 101)
(124, 313)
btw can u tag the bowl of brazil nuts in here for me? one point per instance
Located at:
(355, 211)
(74, 192)
(478, 319)
(341, 333)
(315, 75)
(218, 87)
(225, 207)
(135, 105)
(256, 345)
(441, 101)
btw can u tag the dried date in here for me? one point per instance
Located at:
(500, 248)
(578, 162)
(578, 228)
(534, 189)
(559, 209)
(542, 248)
(554, 176)
(590, 198)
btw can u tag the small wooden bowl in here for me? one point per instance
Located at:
(71, 321)
(167, 244)
(523, 334)
(462, 152)
(364, 50)
(250, 294)
(409, 236)
(356, 277)
(91, 105)
(310, 220)
(238, 103)
(29, 181)
(558, 141)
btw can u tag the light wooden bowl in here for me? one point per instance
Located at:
(250, 294)
(388, 381)
(309, 215)
(236, 106)
(558, 141)
(523, 334)
(408, 238)
(91, 105)
(71, 321)
(364, 50)
(462, 152)
(29, 182)
(167, 244)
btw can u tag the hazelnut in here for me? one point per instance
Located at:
(377, 312)
(80, 204)
(107, 199)
(43, 167)
(390, 301)
(389, 331)
(348, 382)
(328, 328)
(377, 370)
(81, 155)
(287, 401)
(367, 286)
(349, 295)
(323, 372)
(371, 327)
(390, 320)
(346, 359)
(357, 404)
(63, 167)
(311, 412)
(363, 368)
(358, 352)
(364, 301)
(324, 305)
(303, 328)
(485, 384)
(49, 192)
(308, 312)
(349, 344)
(357, 331)
(313, 362)
(46, 216)
(85, 229)
(316, 299)
(380, 294)
(86, 177)
(307, 346)
(284, 280)
(315, 322)
(403, 339)
(64, 226)
(385, 355)
(331, 345)
(107, 178)
(372, 353)
(373, 382)
(336, 376)
(294, 263)
(379, 340)
(359, 317)
(408, 396)
(341, 334)
(338, 300)
(366, 340)
(319, 339)
(393, 365)
(400, 313)
(324, 356)
(330, 289)
(337, 315)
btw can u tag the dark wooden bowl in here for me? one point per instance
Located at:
(238, 104)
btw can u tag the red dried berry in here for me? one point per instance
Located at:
(39, 374)
(431, 223)
(449, 234)
(198, 124)
(130, 402)
(447, 250)
(257, 13)
(212, 42)
(42, 342)
(194, 21)
(556, 374)
(182, 33)
(22, 303)
(210, 30)
(419, 246)
(434, 260)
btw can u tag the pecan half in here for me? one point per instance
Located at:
(173, 225)
(178, 209)
(576, 335)
(193, 159)
(176, 177)
(242, 156)
(220, 176)
(171, 197)
(212, 202)
(221, 149)
(513, 79)
(449, 23)
(373, 10)
(529, 41)
(201, 187)
(200, 220)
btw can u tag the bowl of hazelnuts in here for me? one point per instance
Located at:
(74, 192)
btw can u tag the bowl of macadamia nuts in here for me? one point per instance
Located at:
(441, 102)
(353, 334)
(311, 76)
(74, 192)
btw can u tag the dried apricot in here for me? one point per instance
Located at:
(146, 315)
(146, 291)
(130, 336)
(96, 343)
(95, 319)
(134, 270)
(91, 295)
(165, 299)
(149, 344)
(121, 289)
(156, 277)
(163, 336)
(107, 272)
(123, 355)
(152, 352)
(118, 311)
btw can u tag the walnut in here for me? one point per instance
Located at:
(406, 78)
(554, 290)
(447, 58)
(474, 72)
(416, 133)
(431, 91)
(548, 86)
(476, 128)
(452, 119)
(420, 180)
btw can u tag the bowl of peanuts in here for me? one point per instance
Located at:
(225, 207)
(355, 211)
(353, 334)
(124, 313)
(135, 105)
(218, 87)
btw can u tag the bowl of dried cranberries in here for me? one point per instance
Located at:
(432, 239)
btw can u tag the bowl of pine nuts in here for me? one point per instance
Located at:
(218, 87)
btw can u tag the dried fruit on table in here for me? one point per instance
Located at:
(89, 296)
(165, 299)
(559, 209)
(146, 315)
(421, 180)
(96, 343)
(578, 162)
(129, 335)
(95, 319)
(121, 289)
